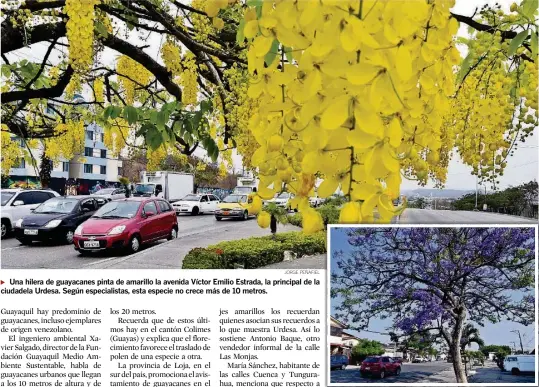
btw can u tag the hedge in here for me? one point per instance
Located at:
(256, 252)
(329, 213)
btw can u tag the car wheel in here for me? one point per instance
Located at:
(134, 244)
(69, 237)
(245, 215)
(382, 374)
(195, 211)
(218, 218)
(173, 234)
(5, 228)
(398, 372)
(515, 371)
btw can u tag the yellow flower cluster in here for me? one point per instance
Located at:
(156, 157)
(367, 89)
(99, 89)
(494, 107)
(172, 57)
(239, 108)
(80, 32)
(136, 75)
(188, 79)
(115, 136)
(69, 141)
(11, 151)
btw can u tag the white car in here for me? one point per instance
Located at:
(519, 363)
(315, 201)
(111, 193)
(281, 200)
(196, 204)
(18, 203)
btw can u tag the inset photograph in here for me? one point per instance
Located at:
(432, 304)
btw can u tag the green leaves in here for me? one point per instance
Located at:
(528, 8)
(130, 114)
(211, 147)
(272, 53)
(464, 67)
(240, 35)
(534, 45)
(517, 41)
(112, 111)
(101, 29)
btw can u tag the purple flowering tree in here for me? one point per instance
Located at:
(436, 279)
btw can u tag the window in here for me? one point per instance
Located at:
(90, 135)
(164, 206)
(36, 197)
(213, 198)
(102, 137)
(119, 171)
(65, 166)
(88, 152)
(21, 163)
(103, 153)
(204, 198)
(88, 168)
(88, 204)
(103, 169)
(150, 207)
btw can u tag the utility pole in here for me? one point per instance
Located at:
(520, 339)
(476, 190)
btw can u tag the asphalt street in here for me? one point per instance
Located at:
(411, 373)
(199, 231)
(417, 216)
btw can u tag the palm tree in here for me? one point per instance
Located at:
(470, 334)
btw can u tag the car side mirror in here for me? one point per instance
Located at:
(18, 203)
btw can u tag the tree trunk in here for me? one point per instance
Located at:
(45, 171)
(458, 365)
(273, 225)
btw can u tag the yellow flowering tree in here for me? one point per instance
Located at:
(359, 93)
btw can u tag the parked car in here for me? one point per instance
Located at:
(56, 219)
(282, 200)
(18, 203)
(196, 204)
(235, 206)
(338, 362)
(379, 366)
(111, 193)
(315, 201)
(517, 364)
(419, 359)
(127, 224)
(398, 359)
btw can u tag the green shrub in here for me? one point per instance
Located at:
(336, 201)
(330, 213)
(201, 258)
(295, 219)
(256, 252)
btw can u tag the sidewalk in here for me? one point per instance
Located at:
(490, 373)
(317, 262)
(446, 376)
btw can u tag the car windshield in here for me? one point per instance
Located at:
(284, 195)
(371, 360)
(235, 199)
(57, 206)
(144, 188)
(115, 210)
(6, 196)
(105, 191)
(191, 198)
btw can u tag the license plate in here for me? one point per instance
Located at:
(226, 213)
(30, 232)
(91, 244)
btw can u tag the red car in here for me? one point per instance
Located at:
(126, 225)
(379, 366)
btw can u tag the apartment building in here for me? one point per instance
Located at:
(98, 166)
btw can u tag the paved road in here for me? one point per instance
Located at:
(193, 232)
(411, 373)
(417, 216)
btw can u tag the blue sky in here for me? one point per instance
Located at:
(499, 334)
